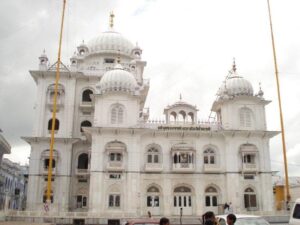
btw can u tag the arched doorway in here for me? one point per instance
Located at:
(250, 201)
(182, 200)
(153, 201)
(211, 199)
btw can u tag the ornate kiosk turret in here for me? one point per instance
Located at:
(181, 112)
(43, 61)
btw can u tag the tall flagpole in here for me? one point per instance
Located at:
(288, 197)
(54, 107)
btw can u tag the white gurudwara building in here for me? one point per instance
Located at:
(110, 161)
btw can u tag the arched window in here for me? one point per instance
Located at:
(153, 197)
(245, 117)
(85, 123)
(56, 127)
(45, 196)
(83, 161)
(81, 201)
(117, 114)
(249, 153)
(181, 116)
(211, 197)
(173, 117)
(86, 95)
(190, 117)
(47, 161)
(113, 156)
(60, 93)
(209, 156)
(153, 155)
(250, 199)
(114, 200)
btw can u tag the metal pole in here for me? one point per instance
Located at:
(54, 107)
(288, 197)
(181, 216)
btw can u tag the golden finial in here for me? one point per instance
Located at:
(111, 19)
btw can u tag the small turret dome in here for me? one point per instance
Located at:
(236, 86)
(116, 80)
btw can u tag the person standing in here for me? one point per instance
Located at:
(226, 208)
(230, 208)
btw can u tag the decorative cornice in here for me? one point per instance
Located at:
(31, 140)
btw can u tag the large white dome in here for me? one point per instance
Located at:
(236, 85)
(110, 42)
(117, 79)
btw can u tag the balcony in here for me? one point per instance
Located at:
(45, 171)
(59, 104)
(86, 106)
(249, 167)
(115, 166)
(82, 172)
(211, 168)
(183, 167)
(153, 167)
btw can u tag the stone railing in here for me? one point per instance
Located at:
(250, 166)
(153, 167)
(82, 171)
(211, 168)
(183, 126)
(117, 166)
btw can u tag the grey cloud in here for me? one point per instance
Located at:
(194, 64)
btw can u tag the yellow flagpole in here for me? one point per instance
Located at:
(288, 197)
(54, 108)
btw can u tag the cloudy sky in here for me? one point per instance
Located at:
(189, 46)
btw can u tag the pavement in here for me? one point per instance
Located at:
(22, 223)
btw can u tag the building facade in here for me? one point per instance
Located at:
(14, 186)
(110, 160)
(4, 146)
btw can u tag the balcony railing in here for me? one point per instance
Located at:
(115, 166)
(182, 125)
(211, 168)
(82, 172)
(45, 170)
(59, 104)
(250, 167)
(86, 106)
(153, 167)
(183, 167)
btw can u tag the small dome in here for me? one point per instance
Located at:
(117, 79)
(110, 42)
(236, 85)
(181, 104)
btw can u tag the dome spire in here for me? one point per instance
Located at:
(233, 65)
(111, 20)
(119, 57)
(260, 92)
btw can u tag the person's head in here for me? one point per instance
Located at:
(164, 221)
(231, 218)
(208, 218)
(209, 215)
